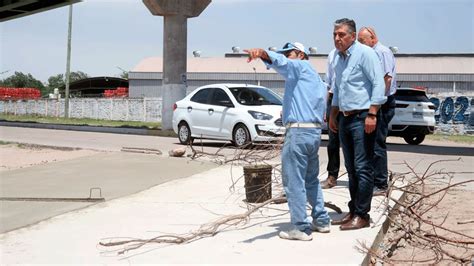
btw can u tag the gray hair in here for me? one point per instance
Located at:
(351, 25)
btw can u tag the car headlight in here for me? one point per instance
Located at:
(260, 115)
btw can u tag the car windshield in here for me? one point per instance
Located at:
(255, 96)
(411, 95)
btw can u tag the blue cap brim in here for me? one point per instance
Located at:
(281, 51)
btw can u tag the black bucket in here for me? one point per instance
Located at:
(258, 183)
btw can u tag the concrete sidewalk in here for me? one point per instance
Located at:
(117, 174)
(179, 207)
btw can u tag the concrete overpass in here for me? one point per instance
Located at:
(11, 9)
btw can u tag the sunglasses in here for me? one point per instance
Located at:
(287, 53)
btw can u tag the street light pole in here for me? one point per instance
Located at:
(68, 64)
(256, 80)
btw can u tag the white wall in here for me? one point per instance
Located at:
(140, 109)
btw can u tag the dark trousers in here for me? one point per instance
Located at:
(333, 154)
(334, 160)
(384, 116)
(358, 149)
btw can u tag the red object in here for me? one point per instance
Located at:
(19, 93)
(117, 93)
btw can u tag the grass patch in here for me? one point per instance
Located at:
(79, 121)
(2, 142)
(453, 138)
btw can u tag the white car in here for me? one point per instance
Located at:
(414, 115)
(239, 113)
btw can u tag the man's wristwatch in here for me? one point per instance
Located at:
(372, 114)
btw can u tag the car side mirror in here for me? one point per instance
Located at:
(226, 103)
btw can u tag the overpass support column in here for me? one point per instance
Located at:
(176, 14)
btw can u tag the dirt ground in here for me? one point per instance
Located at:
(455, 211)
(16, 156)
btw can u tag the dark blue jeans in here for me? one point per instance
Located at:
(334, 159)
(358, 149)
(384, 116)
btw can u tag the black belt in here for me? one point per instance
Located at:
(353, 112)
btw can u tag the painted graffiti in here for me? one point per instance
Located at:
(453, 110)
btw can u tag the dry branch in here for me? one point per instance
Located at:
(205, 230)
(251, 154)
(412, 225)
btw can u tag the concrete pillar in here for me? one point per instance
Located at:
(174, 65)
(176, 13)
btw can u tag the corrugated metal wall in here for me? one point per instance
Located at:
(148, 84)
(139, 88)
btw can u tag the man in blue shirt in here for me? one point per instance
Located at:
(333, 146)
(368, 37)
(303, 110)
(358, 94)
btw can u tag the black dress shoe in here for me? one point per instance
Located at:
(356, 223)
(344, 219)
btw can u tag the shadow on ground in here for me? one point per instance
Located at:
(425, 149)
(421, 149)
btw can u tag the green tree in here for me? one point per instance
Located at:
(55, 82)
(21, 80)
(77, 75)
(124, 75)
(59, 80)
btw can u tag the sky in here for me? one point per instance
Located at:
(110, 35)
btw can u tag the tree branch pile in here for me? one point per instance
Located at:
(418, 223)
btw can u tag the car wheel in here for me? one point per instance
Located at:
(414, 139)
(184, 133)
(241, 136)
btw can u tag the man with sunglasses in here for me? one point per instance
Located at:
(303, 110)
(358, 94)
(368, 37)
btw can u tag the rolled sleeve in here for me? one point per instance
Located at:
(387, 64)
(374, 73)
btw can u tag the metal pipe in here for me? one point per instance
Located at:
(52, 199)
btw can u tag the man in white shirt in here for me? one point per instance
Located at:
(368, 37)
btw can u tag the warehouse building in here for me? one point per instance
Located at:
(437, 72)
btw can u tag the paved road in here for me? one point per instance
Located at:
(399, 151)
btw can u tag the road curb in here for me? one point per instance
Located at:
(383, 230)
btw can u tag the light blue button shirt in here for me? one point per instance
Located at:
(387, 60)
(330, 72)
(304, 99)
(358, 79)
